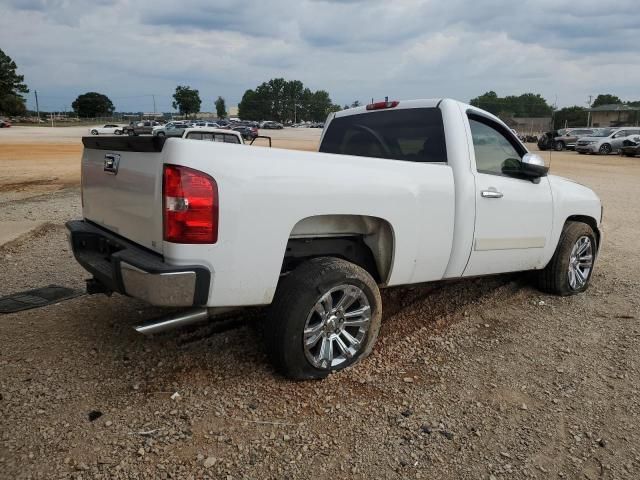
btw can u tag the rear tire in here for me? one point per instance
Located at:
(325, 316)
(131, 133)
(571, 266)
(94, 132)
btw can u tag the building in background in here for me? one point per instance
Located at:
(614, 115)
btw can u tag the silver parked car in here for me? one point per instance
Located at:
(171, 129)
(605, 140)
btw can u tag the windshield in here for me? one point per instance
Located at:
(601, 132)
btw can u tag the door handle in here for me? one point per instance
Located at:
(491, 193)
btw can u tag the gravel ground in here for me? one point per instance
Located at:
(478, 379)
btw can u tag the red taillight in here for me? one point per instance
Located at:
(190, 205)
(381, 105)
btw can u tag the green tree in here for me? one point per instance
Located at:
(356, 103)
(319, 106)
(488, 101)
(249, 108)
(282, 100)
(186, 100)
(570, 116)
(93, 104)
(11, 87)
(525, 105)
(606, 99)
(13, 105)
(221, 108)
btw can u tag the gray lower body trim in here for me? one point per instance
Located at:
(483, 244)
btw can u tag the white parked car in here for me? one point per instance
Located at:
(205, 125)
(109, 129)
(400, 193)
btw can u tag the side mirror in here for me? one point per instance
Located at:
(533, 166)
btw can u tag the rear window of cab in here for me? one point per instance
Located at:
(411, 134)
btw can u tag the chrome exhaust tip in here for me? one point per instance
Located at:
(172, 321)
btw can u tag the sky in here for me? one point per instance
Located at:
(135, 50)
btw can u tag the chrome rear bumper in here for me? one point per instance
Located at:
(123, 267)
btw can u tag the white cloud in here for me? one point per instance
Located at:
(130, 49)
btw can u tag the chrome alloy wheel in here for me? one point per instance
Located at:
(580, 263)
(336, 327)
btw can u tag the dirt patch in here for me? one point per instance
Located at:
(28, 170)
(476, 379)
(38, 160)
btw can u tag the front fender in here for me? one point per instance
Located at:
(571, 200)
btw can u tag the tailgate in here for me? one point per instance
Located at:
(122, 187)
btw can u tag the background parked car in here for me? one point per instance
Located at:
(140, 128)
(606, 140)
(545, 142)
(247, 132)
(269, 125)
(109, 129)
(631, 146)
(4, 124)
(171, 129)
(568, 139)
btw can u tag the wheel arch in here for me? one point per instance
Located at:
(367, 241)
(592, 222)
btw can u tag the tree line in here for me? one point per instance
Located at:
(534, 105)
(285, 101)
(290, 101)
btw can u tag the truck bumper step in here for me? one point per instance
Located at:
(38, 297)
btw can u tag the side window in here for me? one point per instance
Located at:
(195, 136)
(231, 139)
(495, 154)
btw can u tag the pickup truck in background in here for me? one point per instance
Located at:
(400, 193)
(140, 128)
(213, 135)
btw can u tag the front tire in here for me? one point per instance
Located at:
(571, 266)
(605, 149)
(325, 316)
(94, 132)
(559, 146)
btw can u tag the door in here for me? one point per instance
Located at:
(617, 138)
(617, 141)
(513, 214)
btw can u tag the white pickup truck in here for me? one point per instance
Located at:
(400, 193)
